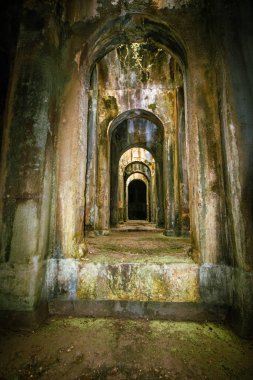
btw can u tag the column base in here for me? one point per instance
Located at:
(102, 232)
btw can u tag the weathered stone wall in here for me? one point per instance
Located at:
(44, 176)
(232, 36)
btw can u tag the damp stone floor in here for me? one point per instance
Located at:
(74, 348)
(144, 244)
(121, 349)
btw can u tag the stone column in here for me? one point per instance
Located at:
(182, 163)
(177, 221)
(153, 196)
(160, 193)
(148, 197)
(91, 170)
(204, 162)
(27, 163)
(121, 196)
(71, 165)
(169, 191)
(233, 33)
(237, 119)
(114, 183)
(103, 183)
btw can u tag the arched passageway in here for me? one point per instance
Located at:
(137, 163)
(137, 200)
(137, 100)
(135, 130)
(131, 75)
(82, 81)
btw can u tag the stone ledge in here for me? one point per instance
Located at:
(175, 311)
(173, 282)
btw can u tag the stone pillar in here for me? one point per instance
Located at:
(107, 111)
(91, 170)
(27, 163)
(148, 197)
(153, 196)
(169, 178)
(177, 221)
(160, 193)
(182, 163)
(237, 120)
(127, 217)
(233, 33)
(204, 162)
(103, 183)
(121, 196)
(71, 165)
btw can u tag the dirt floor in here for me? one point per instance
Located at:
(141, 246)
(74, 348)
(107, 349)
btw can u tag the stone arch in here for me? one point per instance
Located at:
(203, 148)
(133, 156)
(144, 169)
(81, 94)
(131, 114)
(121, 142)
(132, 27)
(144, 211)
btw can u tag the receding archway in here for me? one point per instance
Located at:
(135, 129)
(138, 163)
(137, 200)
(136, 106)
(149, 205)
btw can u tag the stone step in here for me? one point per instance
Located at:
(137, 229)
(132, 281)
(150, 310)
(133, 290)
(133, 226)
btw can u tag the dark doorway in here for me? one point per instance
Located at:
(137, 200)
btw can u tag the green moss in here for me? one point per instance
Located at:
(190, 331)
(139, 349)
(110, 106)
(105, 258)
(152, 107)
(140, 248)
